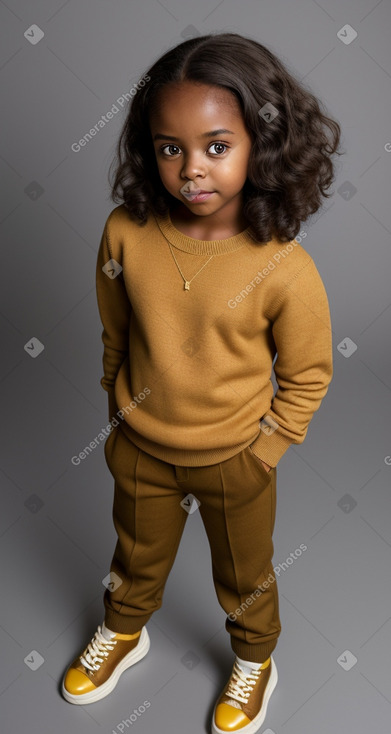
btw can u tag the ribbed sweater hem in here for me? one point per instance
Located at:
(181, 457)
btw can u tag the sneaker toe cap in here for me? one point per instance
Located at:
(77, 683)
(229, 718)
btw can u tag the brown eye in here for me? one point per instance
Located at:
(219, 145)
(163, 149)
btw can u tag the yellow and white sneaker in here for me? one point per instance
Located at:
(95, 673)
(242, 705)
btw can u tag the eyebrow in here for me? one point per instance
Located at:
(209, 134)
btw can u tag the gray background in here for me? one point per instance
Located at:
(56, 533)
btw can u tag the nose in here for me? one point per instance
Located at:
(193, 166)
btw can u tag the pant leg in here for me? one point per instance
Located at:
(149, 521)
(238, 507)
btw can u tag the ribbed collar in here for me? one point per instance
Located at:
(201, 247)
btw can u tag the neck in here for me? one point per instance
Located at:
(210, 227)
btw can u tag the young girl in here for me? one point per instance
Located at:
(200, 285)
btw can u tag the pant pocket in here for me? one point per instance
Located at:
(273, 488)
(108, 445)
(267, 480)
(256, 464)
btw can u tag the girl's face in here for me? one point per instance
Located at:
(201, 143)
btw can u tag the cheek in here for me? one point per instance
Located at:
(235, 171)
(166, 174)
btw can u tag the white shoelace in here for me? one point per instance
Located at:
(241, 684)
(98, 647)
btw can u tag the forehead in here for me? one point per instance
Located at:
(198, 105)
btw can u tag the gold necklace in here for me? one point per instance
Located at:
(185, 280)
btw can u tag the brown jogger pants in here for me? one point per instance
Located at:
(237, 504)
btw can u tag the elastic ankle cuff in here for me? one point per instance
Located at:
(253, 653)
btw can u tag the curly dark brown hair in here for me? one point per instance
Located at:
(290, 166)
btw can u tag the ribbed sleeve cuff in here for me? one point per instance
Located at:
(270, 448)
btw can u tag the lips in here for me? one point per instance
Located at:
(193, 193)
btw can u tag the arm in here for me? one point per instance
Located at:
(115, 310)
(304, 367)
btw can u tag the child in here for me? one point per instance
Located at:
(200, 284)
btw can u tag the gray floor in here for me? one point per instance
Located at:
(56, 535)
(334, 598)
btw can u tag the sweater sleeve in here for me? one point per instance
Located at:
(115, 310)
(304, 365)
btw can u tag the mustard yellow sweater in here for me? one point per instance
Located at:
(188, 372)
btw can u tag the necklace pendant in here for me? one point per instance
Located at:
(187, 285)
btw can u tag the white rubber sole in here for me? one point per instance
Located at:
(130, 659)
(257, 722)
